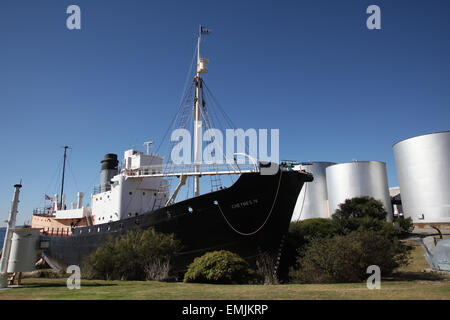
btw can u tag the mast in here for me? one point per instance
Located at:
(198, 120)
(62, 183)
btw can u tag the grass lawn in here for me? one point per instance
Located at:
(408, 283)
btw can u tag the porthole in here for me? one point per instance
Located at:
(129, 214)
(143, 193)
(130, 193)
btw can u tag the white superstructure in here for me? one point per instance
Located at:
(124, 195)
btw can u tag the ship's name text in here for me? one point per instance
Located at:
(244, 204)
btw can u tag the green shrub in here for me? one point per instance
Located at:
(49, 273)
(300, 234)
(328, 260)
(137, 255)
(341, 248)
(405, 226)
(345, 258)
(219, 267)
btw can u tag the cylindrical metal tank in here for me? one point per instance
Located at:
(423, 169)
(24, 246)
(356, 179)
(312, 202)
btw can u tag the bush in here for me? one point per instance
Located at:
(219, 267)
(301, 233)
(340, 249)
(137, 255)
(405, 226)
(304, 231)
(345, 258)
(49, 273)
(328, 260)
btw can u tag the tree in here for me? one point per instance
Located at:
(137, 255)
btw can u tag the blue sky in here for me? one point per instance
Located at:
(336, 90)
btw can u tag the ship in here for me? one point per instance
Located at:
(250, 217)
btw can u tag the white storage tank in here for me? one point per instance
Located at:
(24, 249)
(356, 179)
(423, 169)
(312, 202)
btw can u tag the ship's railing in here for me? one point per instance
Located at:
(57, 231)
(192, 169)
(44, 211)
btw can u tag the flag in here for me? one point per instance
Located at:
(48, 198)
(203, 30)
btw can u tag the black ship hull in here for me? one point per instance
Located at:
(250, 217)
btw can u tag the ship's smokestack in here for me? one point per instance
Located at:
(55, 202)
(109, 170)
(63, 202)
(80, 196)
